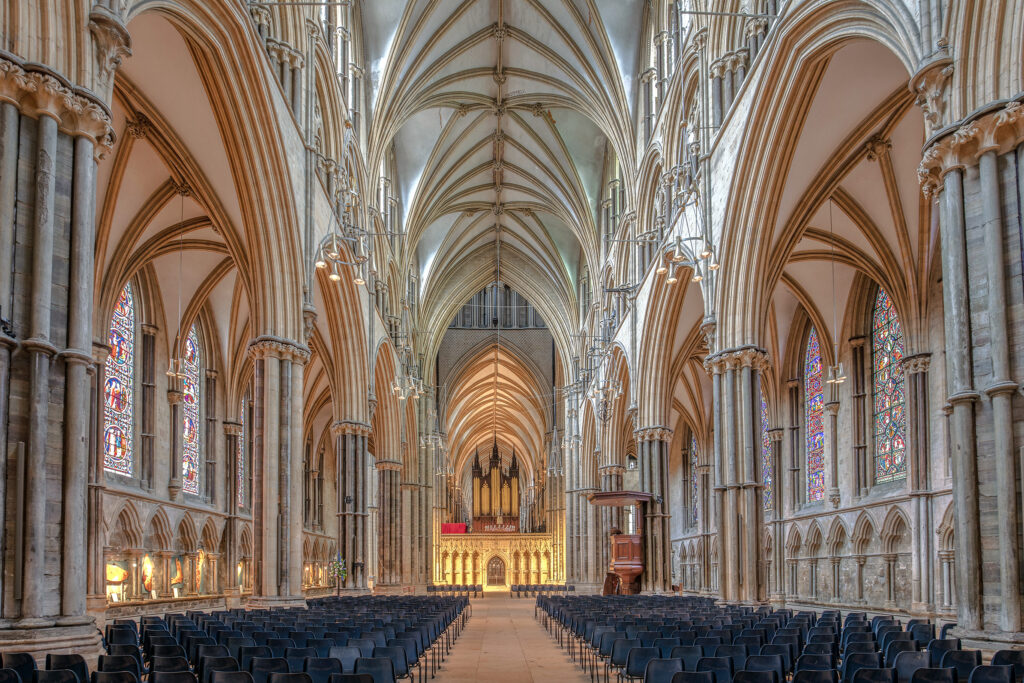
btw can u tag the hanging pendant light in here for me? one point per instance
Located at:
(175, 364)
(836, 375)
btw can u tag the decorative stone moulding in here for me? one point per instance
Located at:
(346, 427)
(1000, 130)
(38, 91)
(656, 433)
(277, 347)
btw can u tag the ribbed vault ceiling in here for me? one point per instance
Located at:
(499, 114)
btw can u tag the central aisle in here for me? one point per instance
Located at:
(503, 642)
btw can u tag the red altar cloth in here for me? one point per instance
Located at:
(453, 528)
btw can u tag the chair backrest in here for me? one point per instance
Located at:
(350, 678)
(381, 668)
(860, 660)
(172, 677)
(907, 663)
(689, 654)
(744, 676)
(620, 650)
(397, 656)
(922, 633)
(168, 664)
(936, 648)
(636, 660)
(74, 662)
(21, 663)
(812, 676)
(290, 677)
(815, 662)
(1014, 658)
(721, 667)
(262, 667)
(737, 653)
(56, 676)
(781, 650)
(321, 668)
(231, 677)
(856, 646)
(866, 675)
(993, 673)
(347, 655)
(896, 647)
(963, 661)
(661, 670)
(771, 663)
(365, 645)
(207, 665)
(693, 677)
(665, 646)
(114, 677)
(112, 663)
(933, 675)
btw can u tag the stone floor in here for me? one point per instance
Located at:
(503, 642)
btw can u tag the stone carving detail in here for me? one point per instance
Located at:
(265, 346)
(113, 44)
(929, 87)
(1001, 130)
(36, 90)
(876, 146)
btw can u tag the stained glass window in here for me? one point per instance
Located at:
(814, 397)
(693, 476)
(888, 390)
(118, 390)
(190, 404)
(240, 468)
(766, 455)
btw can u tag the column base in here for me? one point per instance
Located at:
(83, 639)
(922, 608)
(988, 641)
(272, 601)
(232, 598)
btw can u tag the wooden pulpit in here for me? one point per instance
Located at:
(626, 563)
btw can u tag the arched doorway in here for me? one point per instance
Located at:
(496, 571)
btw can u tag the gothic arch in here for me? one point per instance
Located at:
(863, 534)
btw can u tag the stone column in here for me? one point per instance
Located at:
(915, 368)
(861, 560)
(233, 434)
(834, 562)
(350, 444)
(717, 70)
(40, 349)
(652, 456)
(738, 416)
(832, 436)
(890, 580)
(1000, 390)
(277, 471)
(962, 398)
(794, 447)
(778, 546)
(389, 474)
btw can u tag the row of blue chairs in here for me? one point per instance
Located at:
(385, 638)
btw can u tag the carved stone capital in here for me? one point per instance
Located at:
(113, 44)
(233, 428)
(389, 465)
(919, 362)
(775, 435)
(929, 88)
(876, 146)
(999, 131)
(655, 433)
(277, 347)
(753, 357)
(39, 92)
(346, 427)
(139, 125)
